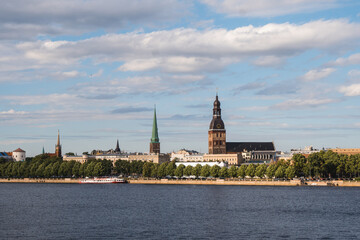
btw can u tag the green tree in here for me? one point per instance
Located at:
(99, 169)
(122, 167)
(214, 171)
(242, 171)
(162, 170)
(76, 169)
(270, 171)
(147, 169)
(290, 172)
(261, 170)
(48, 170)
(154, 170)
(179, 171)
(299, 162)
(280, 172)
(89, 171)
(55, 169)
(82, 170)
(224, 172)
(170, 169)
(205, 171)
(197, 170)
(188, 170)
(250, 170)
(233, 171)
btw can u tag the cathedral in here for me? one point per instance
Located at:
(254, 152)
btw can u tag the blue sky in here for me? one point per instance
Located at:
(286, 71)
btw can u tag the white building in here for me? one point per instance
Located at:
(193, 164)
(306, 150)
(19, 155)
(184, 155)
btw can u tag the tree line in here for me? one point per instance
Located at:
(318, 165)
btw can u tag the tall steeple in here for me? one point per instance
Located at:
(155, 135)
(217, 132)
(58, 146)
(43, 151)
(155, 143)
(117, 149)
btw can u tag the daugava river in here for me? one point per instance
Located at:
(124, 211)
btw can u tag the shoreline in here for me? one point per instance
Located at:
(227, 182)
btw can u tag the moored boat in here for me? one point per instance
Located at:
(103, 180)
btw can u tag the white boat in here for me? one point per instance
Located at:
(102, 180)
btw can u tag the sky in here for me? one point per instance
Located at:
(285, 71)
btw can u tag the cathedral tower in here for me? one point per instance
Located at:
(58, 146)
(217, 132)
(154, 143)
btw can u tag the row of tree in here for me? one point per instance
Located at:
(317, 165)
(45, 166)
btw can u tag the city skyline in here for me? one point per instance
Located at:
(286, 71)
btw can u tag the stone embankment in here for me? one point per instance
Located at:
(196, 182)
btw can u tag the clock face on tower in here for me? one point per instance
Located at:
(218, 125)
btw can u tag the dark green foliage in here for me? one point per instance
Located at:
(242, 171)
(214, 171)
(261, 170)
(250, 170)
(179, 170)
(233, 171)
(197, 170)
(205, 171)
(224, 172)
(188, 170)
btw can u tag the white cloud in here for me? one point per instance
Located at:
(351, 60)
(69, 74)
(351, 90)
(268, 8)
(317, 74)
(12, 112)
(268, 61)
(22, 19)
(294, 104)
(191, 50)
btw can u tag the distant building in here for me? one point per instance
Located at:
(186, 155)
(306, 151)
(231, 159)
(154, 158)
(19, 155)
(254, 152)
(6, 155)
(346, 151)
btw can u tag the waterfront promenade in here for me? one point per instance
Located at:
(337, 183)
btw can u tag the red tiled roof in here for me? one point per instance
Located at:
(19, 150)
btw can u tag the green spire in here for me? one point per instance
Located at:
(154, 136)
(43, 151)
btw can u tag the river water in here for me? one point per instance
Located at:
(127, 211)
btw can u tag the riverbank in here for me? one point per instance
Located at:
(233, 182)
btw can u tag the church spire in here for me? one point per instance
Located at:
(154, 143)
(117, 149)
(43, 150)
(58, 141)
(58, 146)
(155, 135)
